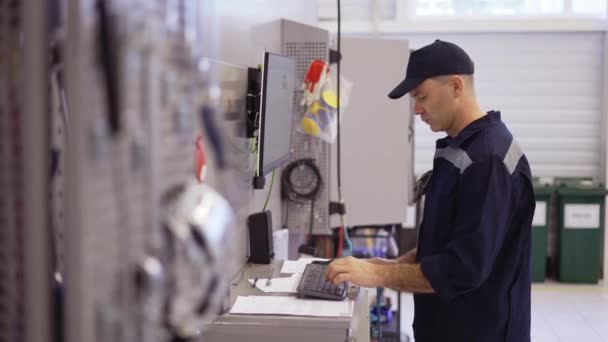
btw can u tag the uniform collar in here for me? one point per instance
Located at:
(490, 118)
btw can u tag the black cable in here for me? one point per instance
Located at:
(241, 274)
(291, 192)
(286, 209)
(312, 218)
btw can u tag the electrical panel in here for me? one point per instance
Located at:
(382, 167)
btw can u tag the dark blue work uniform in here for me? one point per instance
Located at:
(474, 240)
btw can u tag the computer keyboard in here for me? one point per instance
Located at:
(314, 284)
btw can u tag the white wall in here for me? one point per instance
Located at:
(236, 18)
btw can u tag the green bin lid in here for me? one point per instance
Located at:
(581, 188)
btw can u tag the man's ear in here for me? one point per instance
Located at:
(457, 85)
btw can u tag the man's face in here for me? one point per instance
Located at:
(434, 102)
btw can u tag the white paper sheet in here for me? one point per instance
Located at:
(275, 305)
(297, 266)
(282, 285)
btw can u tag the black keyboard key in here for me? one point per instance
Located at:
(315, 284)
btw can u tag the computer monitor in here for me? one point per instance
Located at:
(276, 112)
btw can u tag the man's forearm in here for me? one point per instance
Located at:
(407, 258)
(381, 261)
(404, 277)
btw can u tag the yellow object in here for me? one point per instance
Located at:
(314, 107)
(310, 126)
(330, 98)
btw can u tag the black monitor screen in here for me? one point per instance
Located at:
(276, 110)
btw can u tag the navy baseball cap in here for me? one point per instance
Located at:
(436, 59)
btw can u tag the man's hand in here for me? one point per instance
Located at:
(400, 276)
(356, 271)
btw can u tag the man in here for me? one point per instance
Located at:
(470, 273)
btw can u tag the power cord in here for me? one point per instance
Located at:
(311, 223)
(269, 191)
(339, 166)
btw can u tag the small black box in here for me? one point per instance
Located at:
(260, 237)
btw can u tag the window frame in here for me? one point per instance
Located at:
(405, 22)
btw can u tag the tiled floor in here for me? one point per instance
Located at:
(560, 313)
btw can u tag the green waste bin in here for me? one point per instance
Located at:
(581, 225)
(540, 230)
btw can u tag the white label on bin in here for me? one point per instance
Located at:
(540, 214)
(582, 216)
